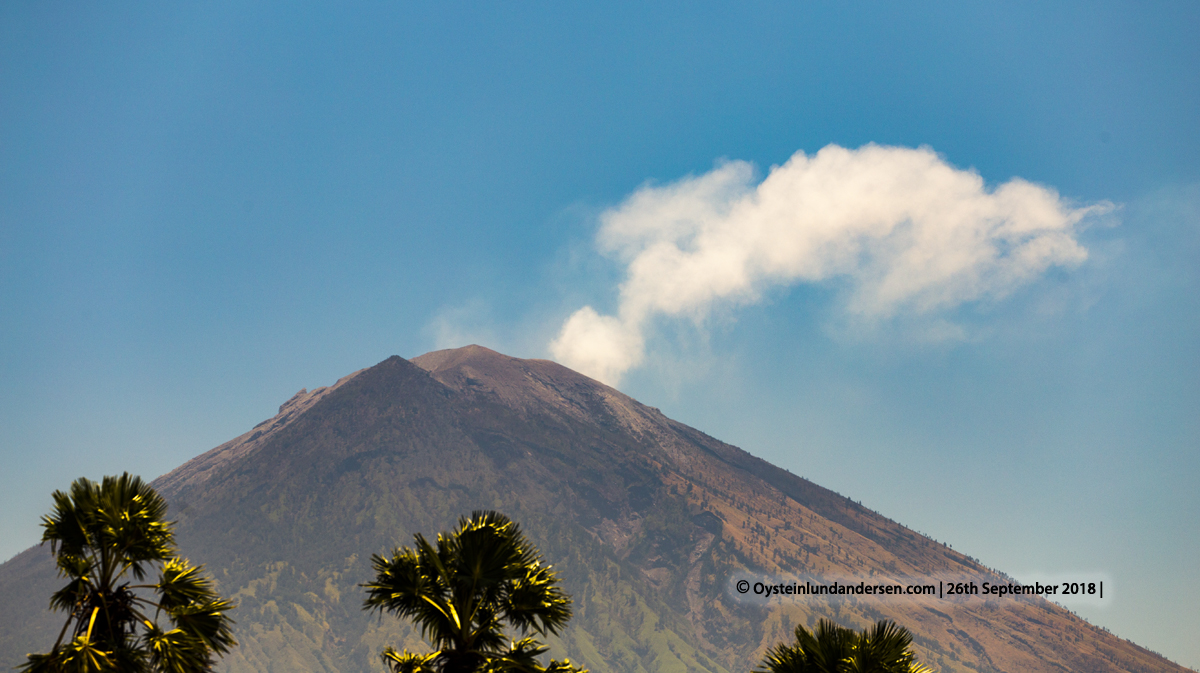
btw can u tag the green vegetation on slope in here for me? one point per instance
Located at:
(644, 519)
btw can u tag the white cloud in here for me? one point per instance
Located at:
(600, 346)
(906, 232)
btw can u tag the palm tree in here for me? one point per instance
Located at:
(105, 536)
(461, 593)
(883, 648)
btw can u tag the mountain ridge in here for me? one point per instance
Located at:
(647, 519)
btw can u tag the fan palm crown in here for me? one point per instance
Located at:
(462, 592)
(883, 648)
(104, 538)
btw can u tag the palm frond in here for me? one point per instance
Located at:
(521, 657)
(101, 532)
(408, 662)
(67, 526)
(78, 656)
(181, 583)
(176, 651)
(536, 603)
(784, 658)
(409, 586)
(883, 648)
(207, 623)
(830, 648)
(130, 520)
(462, 591)
(70, 596)
(564, 666)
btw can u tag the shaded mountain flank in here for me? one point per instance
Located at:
(648, 521)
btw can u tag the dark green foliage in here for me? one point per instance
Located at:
(461, 594)
(103, 536)
(883, 648)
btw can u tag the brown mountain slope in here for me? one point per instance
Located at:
(649, 521)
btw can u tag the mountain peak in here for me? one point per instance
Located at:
(533, 385)
(647, 519)
(501, 371)
(200, 468)
(450, 357)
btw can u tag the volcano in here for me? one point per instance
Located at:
(651, 524)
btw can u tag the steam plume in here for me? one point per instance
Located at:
(904, 230)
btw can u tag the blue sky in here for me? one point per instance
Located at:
(205, 207)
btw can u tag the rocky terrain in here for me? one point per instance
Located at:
(650, 523)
